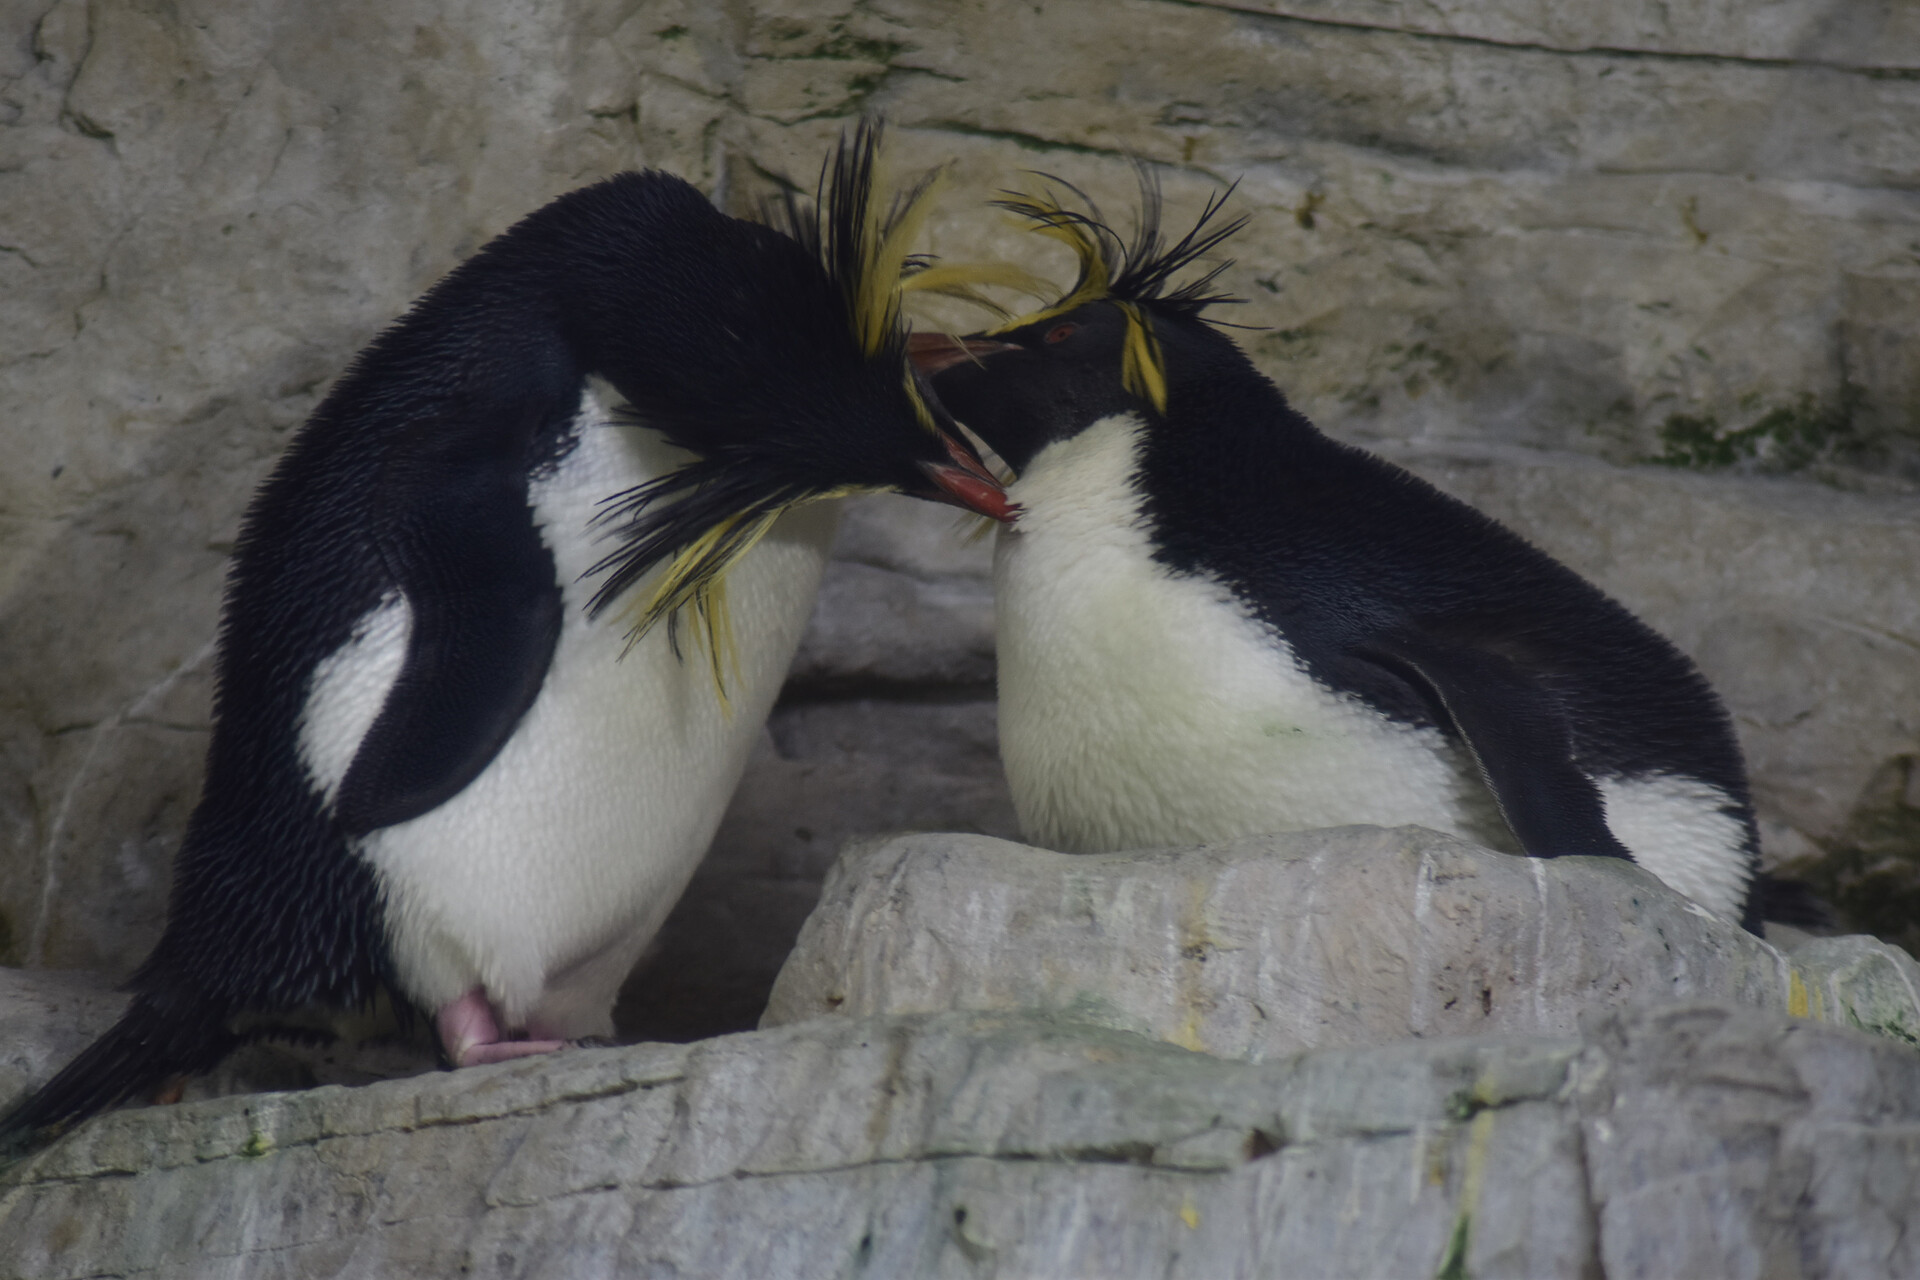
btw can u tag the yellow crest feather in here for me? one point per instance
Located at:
(1134, 278)
(695, 580)
(862, 232)
(884, 259)
(1142, 370)
(964, 280)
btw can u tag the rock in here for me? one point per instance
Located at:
(1717, 1140)
(1602, 237)
(907, 605)
(1271, 945)
(1725, 1174)
(1847, 34)
(1870, 869)
(49, 1016)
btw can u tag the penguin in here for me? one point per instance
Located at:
(454, 760)
(1214, 620)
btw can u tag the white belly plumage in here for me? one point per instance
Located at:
(1139, 707)
(543, 879)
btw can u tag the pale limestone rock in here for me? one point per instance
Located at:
(980, 1144)
(1878, 34)
(1266, 946)
(46, 1017)
(907, 603)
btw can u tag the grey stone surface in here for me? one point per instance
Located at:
(1266, 946)
(46, 1017)
(1458, 237)
(907, 605)
(960, 1144)
(1873, 34)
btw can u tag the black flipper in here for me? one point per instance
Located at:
(1519, 736)
(154, 1041)
(487, 611)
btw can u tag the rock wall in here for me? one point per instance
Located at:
(1485, 237)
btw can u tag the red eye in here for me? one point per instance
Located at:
(1061, 331)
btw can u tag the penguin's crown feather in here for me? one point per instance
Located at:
(1134, 275)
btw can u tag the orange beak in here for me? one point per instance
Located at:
(966, 482)
(933, 352)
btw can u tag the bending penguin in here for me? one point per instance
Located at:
(431, 771)
(1215, 621)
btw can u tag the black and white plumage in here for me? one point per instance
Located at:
(443, 765)
(1215, 621)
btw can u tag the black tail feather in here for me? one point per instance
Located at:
(148, 1046)
(1784, 900)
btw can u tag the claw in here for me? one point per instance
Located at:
(471, 1035)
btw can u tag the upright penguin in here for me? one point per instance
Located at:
(431, 770)
(1214, 620)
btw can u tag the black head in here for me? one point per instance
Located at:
(788, 376)
(1120, 340)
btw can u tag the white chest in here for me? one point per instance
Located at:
(546, 875)
(1141, 708)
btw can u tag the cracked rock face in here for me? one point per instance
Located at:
(1697, 1140)
(1268, 946)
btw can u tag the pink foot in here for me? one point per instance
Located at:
(471, 1035)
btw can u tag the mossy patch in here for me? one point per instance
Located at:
(1453, 1263)
(1785, 438)
(853, 48)
(1893, 1028)
(1421, 365)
